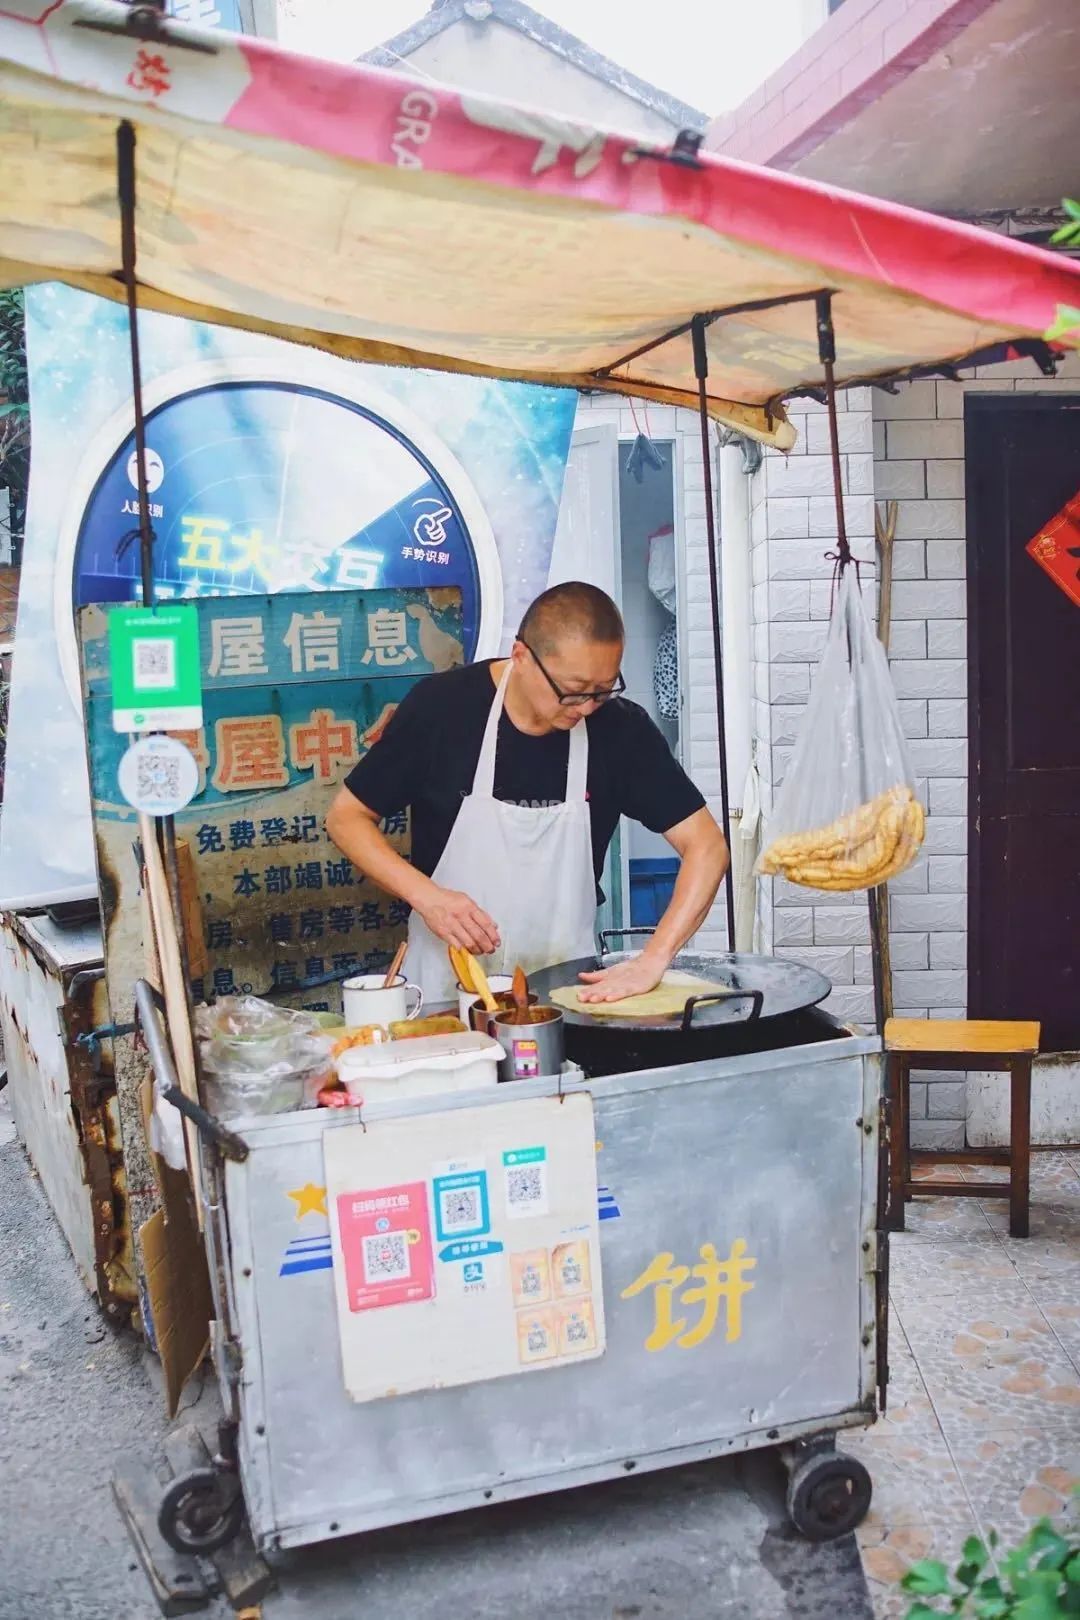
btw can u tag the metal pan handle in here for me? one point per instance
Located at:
(756, 997)
(620, 933)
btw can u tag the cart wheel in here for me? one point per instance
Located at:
(828, 1495)
(201, 1511)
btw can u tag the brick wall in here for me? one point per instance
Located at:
(919, 462)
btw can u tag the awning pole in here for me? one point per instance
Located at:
(701, 371)
(125, 175)
(876, 899)
(164, 827)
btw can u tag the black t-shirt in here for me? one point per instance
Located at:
(426, 760)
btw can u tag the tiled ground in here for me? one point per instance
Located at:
(983, 1426)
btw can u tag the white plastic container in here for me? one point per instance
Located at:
(420, 1067)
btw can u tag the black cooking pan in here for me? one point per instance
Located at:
(755, 988)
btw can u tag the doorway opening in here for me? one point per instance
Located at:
(649, 599)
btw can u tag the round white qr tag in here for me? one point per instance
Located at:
(158, 775)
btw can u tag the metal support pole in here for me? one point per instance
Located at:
(877, 906)
(701, 371)
(125, 175)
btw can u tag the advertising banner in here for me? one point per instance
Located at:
(294, 692)
(270, 468)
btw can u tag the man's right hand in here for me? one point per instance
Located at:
(457, 920)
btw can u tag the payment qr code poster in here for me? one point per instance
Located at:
(511, 1213)
(156, 675)
(158, 775)
(386, 1245)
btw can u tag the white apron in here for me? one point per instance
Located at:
(530, 870)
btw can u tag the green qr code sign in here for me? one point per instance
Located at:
(154, 666)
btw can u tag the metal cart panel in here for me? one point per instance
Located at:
(771, 1149)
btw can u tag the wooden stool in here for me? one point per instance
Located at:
(930, 1043)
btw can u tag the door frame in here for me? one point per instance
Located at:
(978, 405)
(674, 438)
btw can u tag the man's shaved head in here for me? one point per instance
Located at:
(571, 612)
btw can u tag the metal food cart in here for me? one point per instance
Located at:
(663, 274)
(772, 1154)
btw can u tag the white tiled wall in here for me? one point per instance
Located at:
(919, 462)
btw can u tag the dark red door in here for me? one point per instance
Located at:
(1023, 466)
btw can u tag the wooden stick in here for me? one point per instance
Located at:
(395, 967)
(881, 954)
(885, 534)
(172, 975)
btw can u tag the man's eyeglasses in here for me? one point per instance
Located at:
(573, 700)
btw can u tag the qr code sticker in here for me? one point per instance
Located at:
(386, 1257)
(525, 1190)
(157, 779)
(460, 1208)
(154, 661)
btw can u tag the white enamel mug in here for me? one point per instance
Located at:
(497, 981)
(365, 1001)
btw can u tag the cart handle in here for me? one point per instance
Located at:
(232, 1146)
(620, 933)
(756, 997)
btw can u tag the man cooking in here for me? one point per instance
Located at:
(516, 772)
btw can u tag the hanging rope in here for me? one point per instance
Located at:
(841, 557)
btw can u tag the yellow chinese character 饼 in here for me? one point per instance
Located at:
(718, 1282)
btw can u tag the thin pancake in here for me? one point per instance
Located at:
(666, 1001)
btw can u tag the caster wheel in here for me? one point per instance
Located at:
(201, 1511)
(828, 1494)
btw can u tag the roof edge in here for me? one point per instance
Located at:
(542, 31)
(847, 64)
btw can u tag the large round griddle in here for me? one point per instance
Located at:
(757, 987)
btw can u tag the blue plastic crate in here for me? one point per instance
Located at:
(652, 883)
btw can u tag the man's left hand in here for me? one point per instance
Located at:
(632, 978)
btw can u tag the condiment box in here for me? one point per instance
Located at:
(419, 1068)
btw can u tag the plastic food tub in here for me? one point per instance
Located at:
(420, 1067)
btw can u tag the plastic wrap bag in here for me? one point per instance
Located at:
(261, 1059)
(167, 1132)
(847, 816)
(662, 567)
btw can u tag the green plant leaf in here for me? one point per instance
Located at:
(1038, 1606)
(919, 1611)
(993, 1607)
(928, 1578)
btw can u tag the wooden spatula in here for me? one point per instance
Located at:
(480, 984)
(520, 989)
(459, 961)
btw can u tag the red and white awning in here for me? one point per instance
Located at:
(385, 219)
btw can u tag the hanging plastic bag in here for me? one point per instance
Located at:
(662, 567)
(847, 816)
